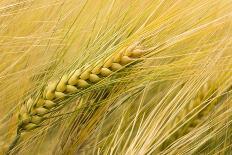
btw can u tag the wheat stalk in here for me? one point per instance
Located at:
(34, 110)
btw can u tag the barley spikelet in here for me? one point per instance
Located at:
(34, 111)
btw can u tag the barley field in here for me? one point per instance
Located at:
(115, 77)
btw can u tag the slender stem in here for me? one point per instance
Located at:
(13, 143)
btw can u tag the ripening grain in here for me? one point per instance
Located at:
(115, 77)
